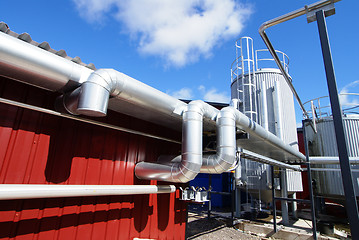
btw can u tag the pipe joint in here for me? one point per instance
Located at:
(226, 143)
(94, 97)
(186, 167)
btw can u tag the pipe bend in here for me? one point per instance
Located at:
(225, 156)
(186, 167)
(207, 110)
(110, 79)
(262, 28)
(95, 92)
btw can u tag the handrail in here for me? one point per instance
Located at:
(284, 61)
(323, 110)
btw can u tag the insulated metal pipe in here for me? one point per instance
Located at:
(30, 191)
(243, 122)
(226, 144)
(331, 160)
(191, 159)
(281, 19)
(262, 159)
(106, 83)
(278, 109)
(33, 65)
(264, 106)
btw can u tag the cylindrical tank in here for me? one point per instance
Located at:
(271, 102)
(328, 180)
(279, 109)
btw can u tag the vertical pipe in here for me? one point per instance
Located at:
(273, 201)
(237, 176)
(294, 206)
(351, 203)
(233, 187)
(264, 106)
(238, 202)
(310, 184)
(278, 109)
(284, 194)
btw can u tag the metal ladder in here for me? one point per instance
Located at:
(243, 72)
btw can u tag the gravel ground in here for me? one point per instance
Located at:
(200, 228)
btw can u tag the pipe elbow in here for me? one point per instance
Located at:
(262, 28)
(226, 143)
(96, 91)
(205, 109)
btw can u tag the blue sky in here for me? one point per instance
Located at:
(185, 48)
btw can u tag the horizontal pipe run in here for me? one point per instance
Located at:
(262, 159)
(33, 65)
(105, 83)
(295, 13)
(327, 169)
(291, 199)
(251, 127)
(101, 124)
(332, 160)
(31, 191)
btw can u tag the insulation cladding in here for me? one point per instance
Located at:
(286, 122)
(37, 148)
(286, 105)
(328, 180)
(270, 84)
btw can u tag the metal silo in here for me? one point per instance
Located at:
(328, 180)
(262, 93)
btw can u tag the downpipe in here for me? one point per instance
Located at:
(183, 168)
(225, 156)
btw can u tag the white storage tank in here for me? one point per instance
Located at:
(265, 97)
(327, 177)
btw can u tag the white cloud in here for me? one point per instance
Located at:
(212, 95)
(94, 10)
(347, 100)
(183, 93)
(178, 31)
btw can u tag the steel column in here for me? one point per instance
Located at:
(351, 203)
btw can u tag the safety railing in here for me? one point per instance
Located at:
(265, 60)
(320, 107)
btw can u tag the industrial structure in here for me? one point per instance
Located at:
(59, 147)
(258, 88)
(322, 145)
(93, 153)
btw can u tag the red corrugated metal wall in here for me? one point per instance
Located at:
(37, 148)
